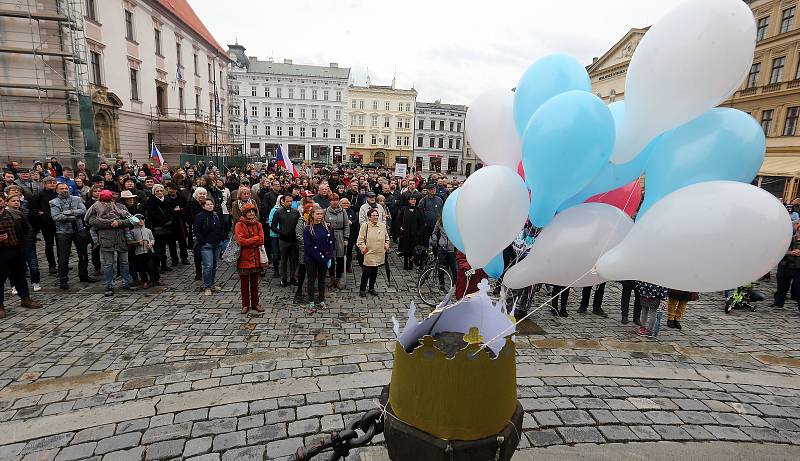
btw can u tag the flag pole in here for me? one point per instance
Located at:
(246, 120)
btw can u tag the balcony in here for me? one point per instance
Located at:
(793, 84)
(772, 87)
(748, 91)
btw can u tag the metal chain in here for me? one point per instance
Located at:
(370, 425)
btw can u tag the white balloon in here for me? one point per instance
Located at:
(566, 251)
(689, 61)
(709, 236)
(492, 207)
(490, 128)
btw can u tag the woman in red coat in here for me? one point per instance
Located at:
(462, 289)
(250, 237)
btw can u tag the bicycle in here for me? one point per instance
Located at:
(743, 296)
(435, 280)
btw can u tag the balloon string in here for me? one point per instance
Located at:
(533, 311)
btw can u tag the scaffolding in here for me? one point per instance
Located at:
(189, 132)
(43, 81)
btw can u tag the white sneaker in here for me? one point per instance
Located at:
(207, 292)
(13, 290)
(37, 287)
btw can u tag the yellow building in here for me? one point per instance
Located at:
(381, 124)
(771, 93)
(608, 72)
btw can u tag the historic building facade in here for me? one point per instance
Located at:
(300, 107)
(439, 137)
(381, 122)
(608, 72)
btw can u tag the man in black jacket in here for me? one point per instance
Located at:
(40, 216)
(14, 232)
(431, 206)
(284, 223)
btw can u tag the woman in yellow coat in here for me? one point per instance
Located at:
(373, 242)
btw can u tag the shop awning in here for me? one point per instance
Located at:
(781, 166)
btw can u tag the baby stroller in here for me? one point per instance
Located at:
(743, 296)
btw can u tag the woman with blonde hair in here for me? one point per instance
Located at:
(373, 242)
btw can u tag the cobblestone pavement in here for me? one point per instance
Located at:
(170, 373)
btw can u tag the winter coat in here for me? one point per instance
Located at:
(30, 188)
(284, 222)
(323, 202)
(100, 217)
(431, 208)
(68, 214)
(338, 221)
(317, 244)
(440, 239)
(41, 204)
(298, 234)
(462, 288)
(144, 234)
(208, 228)
(374, 238)
(249, 236)
(159, 216)
(683, 295)
(412, 229)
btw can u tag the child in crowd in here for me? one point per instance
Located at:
(143, 241)
(651, 297)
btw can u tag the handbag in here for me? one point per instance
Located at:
(232, 252)
(262, 255)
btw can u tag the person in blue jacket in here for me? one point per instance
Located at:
(318, 252)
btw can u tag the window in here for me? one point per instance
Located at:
(459, 127)
(291, 131)
(441, 125)
(777, 70)
(210, 76)
(91, 10)
(766, 120)
(408, 107)
(385, 140)
(324, 132)
(302, 113)
(266, 111)
(237, 129)
(450, 143)
(325, 114)
(180, 100)
(353, 104)
(399, 123)
(255, 130)
(338, 96)
(325, 95)
(752, 77)
(338, 115)
(157, 37)
(361, 139)
(96, 70)
(452, 125)
(361, 104)
(386, 122)
(360, 120)
(197, 104)
(279, 131)
(441, 143)
(254, 111)
(405, 141)
(178, 54)
(303, 94)
(236, 89)
(387, 105)
(266, 92)
(374, 140)
(278, 92)
(407, 124)
(352, 138)
(338, 133)
(302, 132)
(419, 141)
(400, 107)
(761, 32)
(791, 121)
(279, 112)
(267, 130)
(291, 93)
(421, 124)
(458, 143)
(313, 132)
(787, 19)
(374, 105)
(196, 68)
(129, 25)
(398, 141)
(236, 110)
(432, 142)
(134, 74)
(253, 90)
(374, 121)
(314, 95)
(313, 114)
(290, 112)
(433, 124)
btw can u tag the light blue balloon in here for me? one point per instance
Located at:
(723, 144)
(567, 142)
(495, 267)
(547, 77)
(449, 220)
(613, 176)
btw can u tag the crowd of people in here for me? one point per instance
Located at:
(137, 222)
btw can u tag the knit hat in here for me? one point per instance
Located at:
(106, 195)
(247, 208)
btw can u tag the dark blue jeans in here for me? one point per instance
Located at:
(33, 264)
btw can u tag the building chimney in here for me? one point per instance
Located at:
(594, 59)
(287, 61)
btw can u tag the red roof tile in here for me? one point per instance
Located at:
(186, 14)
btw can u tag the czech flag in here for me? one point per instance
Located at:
(284, 162)
(156, 154)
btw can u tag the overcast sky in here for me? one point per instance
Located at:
(447, 49)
